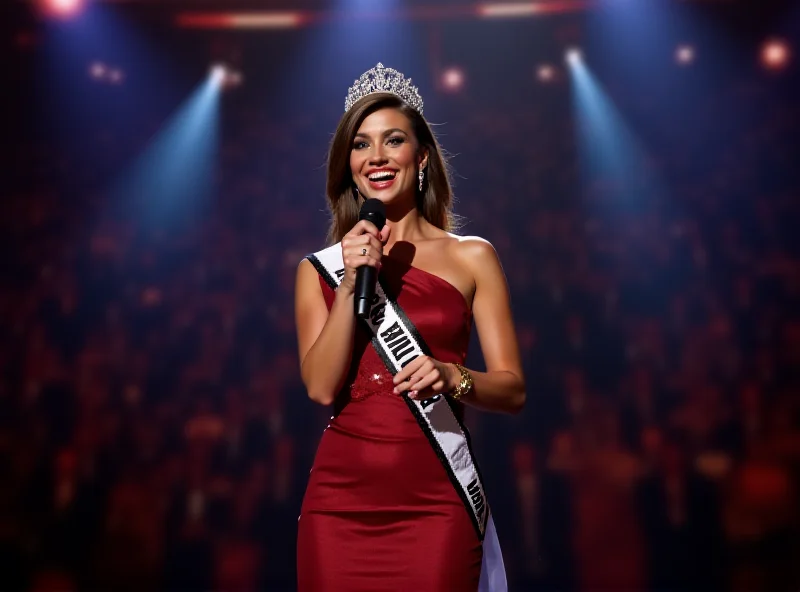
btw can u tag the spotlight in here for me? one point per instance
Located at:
(100, 72)
(509, 9)
(775, 55)
(116, 76)
(97, 70)
(453, 79)
(574, 55)
(545, 73)
(218, 73)
(684, 55)
(234, 79)
(254, 19)
(225, 77)
(62, 8)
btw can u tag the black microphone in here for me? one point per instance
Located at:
(374, 211)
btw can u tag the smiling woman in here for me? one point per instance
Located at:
(395, 500)
(383, 151)
(382, 125)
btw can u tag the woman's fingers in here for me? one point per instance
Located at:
(422, 388)
(427, 386)
(363, 227)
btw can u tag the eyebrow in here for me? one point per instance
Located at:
(388, 132)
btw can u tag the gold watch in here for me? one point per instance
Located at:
(465, 385)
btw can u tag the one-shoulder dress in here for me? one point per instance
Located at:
(380, 513)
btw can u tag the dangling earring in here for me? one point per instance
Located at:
(421, 178)
(355, 192)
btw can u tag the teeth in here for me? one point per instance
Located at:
(382, 176)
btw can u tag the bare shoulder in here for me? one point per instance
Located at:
(307, 279)
(474, 252)
(306, 269)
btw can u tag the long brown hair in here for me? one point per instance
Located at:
(434, 201)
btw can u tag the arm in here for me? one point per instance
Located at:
(325, 340)
(502, 387)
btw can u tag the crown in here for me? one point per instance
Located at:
(388, 80)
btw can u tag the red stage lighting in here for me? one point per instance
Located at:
(775, 55)
(546, 73)
(453, 79)
(63, 9)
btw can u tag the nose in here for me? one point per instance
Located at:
(376, 155)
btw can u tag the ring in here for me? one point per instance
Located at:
(363, 251)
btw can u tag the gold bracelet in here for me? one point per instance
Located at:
(465, 385)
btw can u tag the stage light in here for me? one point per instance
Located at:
(574, 55)
(509, 9)
(234, 79)
(453, 79)
(275, 20)
(546, 73)
(98, 70)
(62, 8)
(684, 55)
(218, 73)
(116, 76)
(241, 20)
(224, 77)
(775, 55)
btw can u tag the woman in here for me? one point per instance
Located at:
(395, 501)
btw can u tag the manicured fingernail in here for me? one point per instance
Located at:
(413, 394)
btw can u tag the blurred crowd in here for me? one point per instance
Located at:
(154, 433)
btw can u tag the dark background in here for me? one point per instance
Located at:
(153, 430)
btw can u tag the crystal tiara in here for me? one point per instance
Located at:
(388, 80)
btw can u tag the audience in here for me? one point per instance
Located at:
(154, 433)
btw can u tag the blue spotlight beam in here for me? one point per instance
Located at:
(175, 175)
(608, 149)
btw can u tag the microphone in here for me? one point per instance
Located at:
(366, 275)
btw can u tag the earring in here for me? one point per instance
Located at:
(355, 192)
(421, 178)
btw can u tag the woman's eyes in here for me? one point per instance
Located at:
(393, 141)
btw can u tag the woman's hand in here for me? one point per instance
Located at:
(363, 245)
(426, 377)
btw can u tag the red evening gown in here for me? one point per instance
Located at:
(380, 513)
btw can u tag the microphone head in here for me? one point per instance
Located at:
(373, 210)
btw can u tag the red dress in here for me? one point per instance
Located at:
(380, 513)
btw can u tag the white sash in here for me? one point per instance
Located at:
(398, 342)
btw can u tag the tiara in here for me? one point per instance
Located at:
(381, 79)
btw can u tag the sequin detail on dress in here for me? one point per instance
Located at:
(445, 313)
